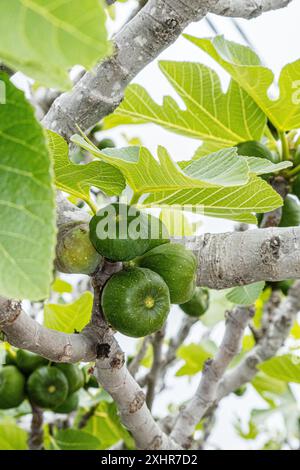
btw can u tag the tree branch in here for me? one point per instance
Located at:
(152, 377)
(191, 415)
(247, 8)
(239, 258)
(158, 24)
(267, 347)
(136, 361)
(36, 436)
(26, 333)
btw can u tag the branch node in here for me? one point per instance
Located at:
(118, 360)
(103, 351)
(137, 402)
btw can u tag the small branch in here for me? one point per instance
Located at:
(86, 417)
(36, 436)
(152, 377)
(26, 333)
(177, 340)
(191, 415)
(136, 361)
(267, 347)
(239, 258)
(249, 9)
(113, 375)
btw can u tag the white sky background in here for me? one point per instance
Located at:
(276, 38)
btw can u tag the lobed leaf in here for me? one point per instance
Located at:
(27, 233)
(69, 318)
(44, 39)
(210, 115)
(245, 67)
(78, 179)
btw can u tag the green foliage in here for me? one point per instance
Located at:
(268, 387)
(106, 143)
(177, 266)
(75, 439)
(105, 424)
(246, 69)
(198, 304)
(285, 368)
(78, 179)
(60, 286)
(199, 183)
(69, 317)
(250, 434)
(255, 149)
(245, 295)
(27, 235)
(12, 437)
(208, 116)
(194, 356)
(45, 39)
(47, 387)
(136, 302)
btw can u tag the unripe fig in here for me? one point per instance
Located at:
(106, 143)
(253, 148)
(120, 232)
(136, 302)
(199, 303)
(290, 212)
(74, 251)
(177, 266)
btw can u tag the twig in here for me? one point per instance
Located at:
(214, 369)
(86, 417)
(152, 377)
(36, 436)
(279, 329)
(136, 361)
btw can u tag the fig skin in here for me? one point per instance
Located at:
(75, 253)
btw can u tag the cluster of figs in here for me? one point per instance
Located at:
(156, 273)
